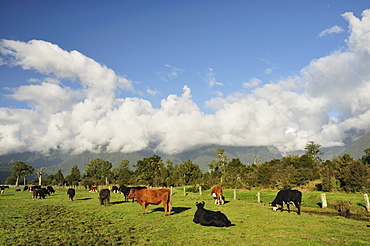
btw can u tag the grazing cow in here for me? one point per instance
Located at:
(217, 195)
(25, 188)
(38, 193)
(35, 187)
(71, 193)
(93, 189)
(2, 191)
(46, 192)
(115, 189)
(50, 189)
(126, 190)
(104, 196)
(288, 197)
(152, 196)
(210, 218)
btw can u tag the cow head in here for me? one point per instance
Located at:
(200, 205)
(131, 195)
(274, 206)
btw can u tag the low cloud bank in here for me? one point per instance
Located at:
(285, 114)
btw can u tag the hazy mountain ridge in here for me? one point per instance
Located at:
(56, 160)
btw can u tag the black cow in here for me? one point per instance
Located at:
(38, 193)
(46, 192)
(210, 218)
(50, 189)
(288, 197)
(126, 190)
(104, 196)
(25, 188)
(35, 187)
(115, 189)
(71, 193)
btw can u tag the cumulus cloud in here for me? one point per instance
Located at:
(286, 113)
(253, 83)
(331, 30)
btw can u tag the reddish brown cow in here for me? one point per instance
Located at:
(93, 189)
(152, 196)
(217, 195)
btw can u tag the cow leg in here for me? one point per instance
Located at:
(298, 207)
(288, 206)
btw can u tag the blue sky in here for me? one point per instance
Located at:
(174, 75)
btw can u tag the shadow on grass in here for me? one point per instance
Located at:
(119, 202)
(174, 210)
(84, 199)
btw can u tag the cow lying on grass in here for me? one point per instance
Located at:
(210, 218)
(152, 196)
(288, 197)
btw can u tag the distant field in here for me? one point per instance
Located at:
(57, 221)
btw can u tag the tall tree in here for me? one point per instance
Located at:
(99, 169)
(74, 177)
(59, 177)
(40, 173)
(122, 173)
(21, 169)
(188, 173)
(313, 150)
(148, 169)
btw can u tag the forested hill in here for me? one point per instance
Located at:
(202, 156)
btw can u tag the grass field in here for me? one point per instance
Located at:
(57, 221)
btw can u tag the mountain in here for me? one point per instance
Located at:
(202, 156)
(356, 149)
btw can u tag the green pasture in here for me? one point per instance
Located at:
(57, 221)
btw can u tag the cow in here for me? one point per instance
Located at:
(18, 189)
(210, 218)
(93, 189)
(25, 188)
(35, 187)
(38, 193)
(217, 195)
(115, 189)
(104, 196)
(152, 196)
(126, 190)
(50, 189)
(288, 197)
(71, 193)
(46, 192)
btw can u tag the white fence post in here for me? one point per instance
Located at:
(184, 191)
(367, 202)
(323, 201)
(200, 190)
(258, 197)
(234, 194)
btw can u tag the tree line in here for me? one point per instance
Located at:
(342, 173)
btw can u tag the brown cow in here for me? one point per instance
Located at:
(217, 195)
(152, 196)
(104, 196)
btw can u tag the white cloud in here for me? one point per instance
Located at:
(253, 83)
(171, 73)
(211, 78)
(331, 30)
(286, 113)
